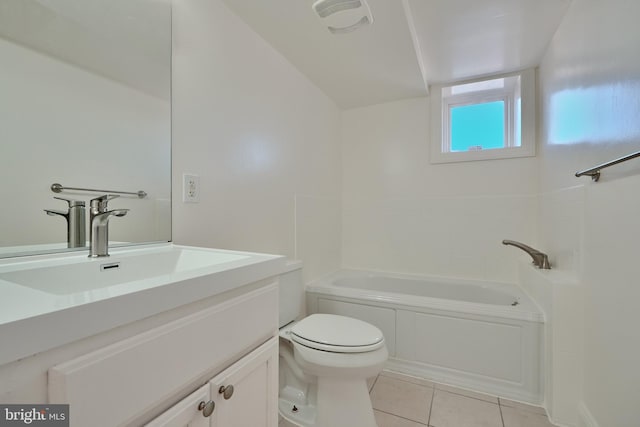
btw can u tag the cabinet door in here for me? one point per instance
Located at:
(254, 399)
(186, 413)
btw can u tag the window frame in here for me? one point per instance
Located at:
(441, 122)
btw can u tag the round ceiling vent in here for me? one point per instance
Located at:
(343, 16)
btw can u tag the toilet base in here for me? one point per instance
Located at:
(296, 413)
(340, 403)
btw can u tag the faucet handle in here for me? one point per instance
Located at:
(54, 212)
(106, 197)
(72, 203)
(100, 203)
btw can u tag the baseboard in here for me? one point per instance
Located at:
(585, 419)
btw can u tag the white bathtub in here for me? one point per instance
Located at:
(478, 335)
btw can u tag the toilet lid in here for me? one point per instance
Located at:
(337, 334)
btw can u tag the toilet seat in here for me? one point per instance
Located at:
(336, 334)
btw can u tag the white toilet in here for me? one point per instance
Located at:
(325, 361)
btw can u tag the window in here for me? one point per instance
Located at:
(484, 119)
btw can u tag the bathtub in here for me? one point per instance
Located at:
(478, 335)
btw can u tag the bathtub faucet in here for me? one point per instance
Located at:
(540, 259)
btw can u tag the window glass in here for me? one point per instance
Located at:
(477, 126)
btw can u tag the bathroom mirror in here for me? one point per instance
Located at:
(84, 102)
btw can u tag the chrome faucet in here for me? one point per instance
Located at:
(76, 226)
(99, 225)
(540, 260)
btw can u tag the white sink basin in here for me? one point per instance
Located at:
(61, 298)
(82, 274)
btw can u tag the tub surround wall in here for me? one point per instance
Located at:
(404, 214)
(560, 297)
(590, 92)
(264, 140)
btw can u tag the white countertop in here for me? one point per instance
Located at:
(34, 320)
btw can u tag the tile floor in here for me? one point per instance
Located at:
(403, 401)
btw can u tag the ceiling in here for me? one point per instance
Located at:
(410, 45)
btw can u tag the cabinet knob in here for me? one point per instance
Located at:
(227, 391)
(207, 408)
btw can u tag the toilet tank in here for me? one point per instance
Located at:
(291, 289)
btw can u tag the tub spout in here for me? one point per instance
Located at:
(540, 259)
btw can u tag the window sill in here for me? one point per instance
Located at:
(438, 156)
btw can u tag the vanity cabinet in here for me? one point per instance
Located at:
(130, 382)
(242, 395)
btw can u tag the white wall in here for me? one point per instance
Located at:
(402, 213)
(263, 139)
(60, 123)
(590, 84)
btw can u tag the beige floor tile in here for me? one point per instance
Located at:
(370, 382)
(401, 398)
(467, 393)
(519, 418)
(454, 410)
(522, 406)
(407, 378)
(387, 420)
